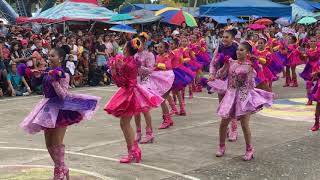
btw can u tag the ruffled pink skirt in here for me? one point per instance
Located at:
(294, 61)
(159, 82)
(131, 101)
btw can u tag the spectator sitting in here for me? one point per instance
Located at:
(40, 63)
(16, 55)
(5, 54)
(3, 78)
(26, 53)
(95, 76)
(18, 86)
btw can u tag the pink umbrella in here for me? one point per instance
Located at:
(256, 26)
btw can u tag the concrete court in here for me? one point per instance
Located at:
(285, 149)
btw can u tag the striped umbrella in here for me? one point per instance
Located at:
(176, 16)
(69, 10)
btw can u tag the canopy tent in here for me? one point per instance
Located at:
(141, 17)
(73, 11)
(265, 8)
(308, 5)
(223, 19)
(133, 7)
(299, 12)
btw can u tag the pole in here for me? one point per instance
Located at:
(64, 27)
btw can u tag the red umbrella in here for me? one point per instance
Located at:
(256, 26)
(264, 21)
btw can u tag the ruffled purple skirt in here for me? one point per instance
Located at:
(55, 112)
(181, 79)
(218, 86)
(203, 58)
(191, 67)
(235, 105)
(281, 58)
(307, 71)
(275, 66)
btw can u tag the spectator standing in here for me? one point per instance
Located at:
(101, 52)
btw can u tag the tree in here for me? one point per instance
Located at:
(171, 3)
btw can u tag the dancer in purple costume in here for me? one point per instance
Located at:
(312, 55)
(58, 110)
(226, 50)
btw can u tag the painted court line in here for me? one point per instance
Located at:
(51, 167)
(109, 159)
(76, 90)
(104, 143)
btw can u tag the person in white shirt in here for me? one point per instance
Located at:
(71, 68)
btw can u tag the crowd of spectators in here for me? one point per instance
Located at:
(87, 52)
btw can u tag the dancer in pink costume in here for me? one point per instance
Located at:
(293, 61)
(315, 91)
(226, 50)
(58, 110)
(160, 81)
(131, 99)
(183, 77)
(262, 54)
(312, 56)
(241, 98)
(196, 49)
(189, 62)
(147, 61)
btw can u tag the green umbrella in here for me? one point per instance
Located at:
(307, 20)
(121, 17)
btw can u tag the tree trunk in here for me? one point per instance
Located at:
(195, 3)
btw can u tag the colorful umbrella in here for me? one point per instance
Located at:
(123, 28)
(176, 16)
(263, 21)
(307, 20)
(121, 17)
(256, 26)
(284, 21)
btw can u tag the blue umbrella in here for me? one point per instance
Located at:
(123, 28)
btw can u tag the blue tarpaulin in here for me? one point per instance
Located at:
(308, 5)
(265, 8)
(223, 19)
(150, 7)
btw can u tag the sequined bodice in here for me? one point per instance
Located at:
(241, 76)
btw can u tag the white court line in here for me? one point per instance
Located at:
(109, 159)
(77, 90)
(50, 167)
(104, 143)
